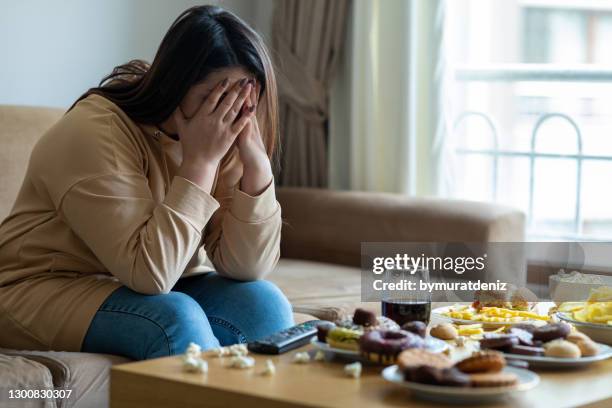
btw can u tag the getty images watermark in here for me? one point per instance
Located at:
(454, 272)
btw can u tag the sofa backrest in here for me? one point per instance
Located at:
(20, 128)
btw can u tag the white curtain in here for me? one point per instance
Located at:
(385, 128)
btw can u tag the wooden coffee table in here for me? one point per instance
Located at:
(162, 383)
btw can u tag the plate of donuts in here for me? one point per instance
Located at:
(430, 343)
(376, 339)
(483, 376)
(554, 345)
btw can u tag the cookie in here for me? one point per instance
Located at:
(444, 331)
(450, 377)
(551, 331)
(496, 341)
(493, 379)
(526, 350)
(588, 348)
(419, 357)
(562, 349)
(577, 336)
(482, 362)
(416, 327)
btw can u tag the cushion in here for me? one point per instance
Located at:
(20, 373)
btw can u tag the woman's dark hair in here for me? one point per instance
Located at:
(201, 40)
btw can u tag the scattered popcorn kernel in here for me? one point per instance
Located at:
(269, 368)
(238, 350)
(353, 370)
(301, 358)
(193, 350)
(194, 365)
(319, 356)
(242, 362)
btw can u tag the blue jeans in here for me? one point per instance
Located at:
(204, 309)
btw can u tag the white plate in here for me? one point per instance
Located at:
(601, 333)
(431, 343)
(440, 310)
(605, 352)
(462, 395)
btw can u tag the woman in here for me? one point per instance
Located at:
(148, 184)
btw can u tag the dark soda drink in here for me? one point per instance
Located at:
(406, 311)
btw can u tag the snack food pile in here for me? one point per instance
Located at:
(597, 309)
(378, 339)
(481, 369)
(492, 314)
(551, 340)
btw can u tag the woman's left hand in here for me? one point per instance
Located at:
(257, 173)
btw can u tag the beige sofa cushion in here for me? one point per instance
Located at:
(20, 373)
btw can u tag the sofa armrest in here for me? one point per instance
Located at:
(329, 226)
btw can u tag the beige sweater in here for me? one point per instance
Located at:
(100, 207)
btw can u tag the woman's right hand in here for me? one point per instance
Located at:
(208, 135)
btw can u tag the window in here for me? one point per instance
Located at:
(530, 96)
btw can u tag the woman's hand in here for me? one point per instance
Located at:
(207, 136)
(257, 173)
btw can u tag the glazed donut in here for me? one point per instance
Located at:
(383, 346)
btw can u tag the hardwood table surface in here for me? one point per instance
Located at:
(163, 383)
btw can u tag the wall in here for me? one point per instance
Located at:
(52, 51)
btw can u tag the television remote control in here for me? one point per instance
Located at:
(286, 340)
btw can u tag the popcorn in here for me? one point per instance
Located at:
(193, 350)
(233, 350)
(238, 350)
(220, 351)
(269, 369)
(301, 358)
(194, 365)
(319, 356)
(353, 370)
(242, 362)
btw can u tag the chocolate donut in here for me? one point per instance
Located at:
(416, 327)
(322, 330)
(526, 350)
(364, 317)
(496, 341)
(551, 331)
(383, 346)
(524, 326)
(525, 338)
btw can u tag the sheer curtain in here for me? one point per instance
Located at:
(386, 132)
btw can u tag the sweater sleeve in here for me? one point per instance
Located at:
(243, 239)
(145, 244)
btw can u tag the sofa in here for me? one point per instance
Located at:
(318, 271)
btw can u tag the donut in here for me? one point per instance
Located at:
(525, 338)
(450, 377)
(414, 357)
(323, 329)
(444, 331)
(383, 346)
(497, 341)
(524, 326)
(364, 317)
(482, 362)
(526, 350)
(340, 337)
(384, 323)
(416, 327)
(551, 331)
(562, 349)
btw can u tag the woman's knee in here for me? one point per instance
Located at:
(142, 327)
(183, 321)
